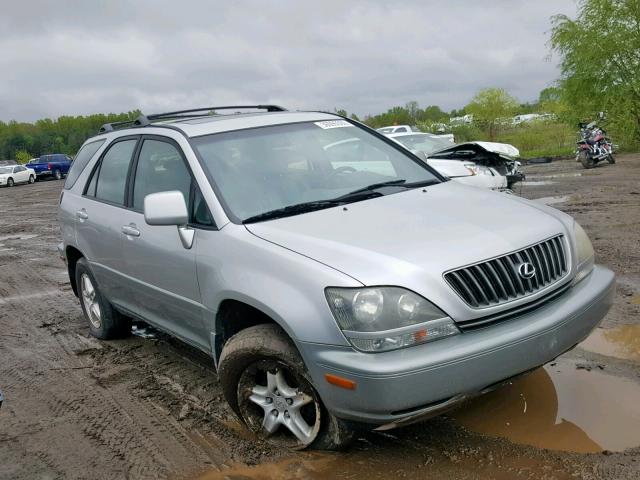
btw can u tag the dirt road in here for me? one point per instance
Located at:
(150, 407)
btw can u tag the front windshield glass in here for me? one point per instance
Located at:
(264, 169)
(4, 170)
(423, 143)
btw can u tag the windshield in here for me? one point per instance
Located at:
(4, 170)
(423, 143)
(264, 169)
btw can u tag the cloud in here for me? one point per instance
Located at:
(68, 58)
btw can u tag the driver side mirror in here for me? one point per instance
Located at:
(165, 208)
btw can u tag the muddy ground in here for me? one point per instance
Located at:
(150, 407)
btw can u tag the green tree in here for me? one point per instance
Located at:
(600, 62)
(22, 156)
(489, 106)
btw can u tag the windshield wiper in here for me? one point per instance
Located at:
(372, 187)
(293, 210)
(311, 206)
(363, 193)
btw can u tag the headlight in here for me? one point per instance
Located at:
(478, 169)
(377, 319)
(585, 253)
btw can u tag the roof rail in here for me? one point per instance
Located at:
(145, 120)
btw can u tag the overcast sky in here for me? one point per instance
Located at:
(69, 58)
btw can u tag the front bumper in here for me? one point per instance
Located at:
(405, 385)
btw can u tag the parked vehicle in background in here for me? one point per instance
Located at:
(4, 163)
(55, 165)
(398, 129)
(479, 164)
(500, 158)
(13, 175)
(334, 287)
(593, 145)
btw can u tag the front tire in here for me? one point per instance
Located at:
(610, 159)
(31, 179)
(586, 159)
(104, 321)
(10, 182)
(265, 382)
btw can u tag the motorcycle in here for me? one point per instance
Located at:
(593, 145)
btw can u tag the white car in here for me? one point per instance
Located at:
(14, 174)
(480, 164)
(397, 129)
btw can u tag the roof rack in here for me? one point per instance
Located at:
(145, 120)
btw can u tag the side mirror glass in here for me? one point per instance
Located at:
(165, 208)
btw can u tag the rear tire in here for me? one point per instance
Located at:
(10, 182)
(57, 174)
(267, 385)
(105, 322)
(586, 159)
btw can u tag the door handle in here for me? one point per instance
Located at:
(130, 231)
(82, 214)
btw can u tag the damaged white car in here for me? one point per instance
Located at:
(481, 164)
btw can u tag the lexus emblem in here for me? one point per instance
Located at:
(526, 270)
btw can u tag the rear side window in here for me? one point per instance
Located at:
(160, 168)
(85, 154)
(110, 179)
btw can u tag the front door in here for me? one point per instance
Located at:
(161, 273)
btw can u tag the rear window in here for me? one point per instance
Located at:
(85, 154)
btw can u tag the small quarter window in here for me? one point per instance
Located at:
(83, 157)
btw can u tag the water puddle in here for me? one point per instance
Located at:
(619, 342)
(557, 175)
(529, 183)
(553, 200)
(560, 408)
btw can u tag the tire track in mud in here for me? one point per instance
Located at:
(55, 407)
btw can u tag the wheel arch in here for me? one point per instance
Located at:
(236, 314)
(72, 255)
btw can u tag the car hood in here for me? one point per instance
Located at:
(504, 149)
(411, 238)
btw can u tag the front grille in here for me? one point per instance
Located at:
(498, 281)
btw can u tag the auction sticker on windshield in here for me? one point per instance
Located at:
(333, 124)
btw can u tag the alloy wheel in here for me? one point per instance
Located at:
(276, 402)
(90, 301)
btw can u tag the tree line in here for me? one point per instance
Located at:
(21, 140)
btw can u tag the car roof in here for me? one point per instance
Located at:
(209, 124)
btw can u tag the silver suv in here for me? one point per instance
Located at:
(335, 279)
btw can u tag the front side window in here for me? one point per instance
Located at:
(109, 181)
(160, 168)
(264, 169)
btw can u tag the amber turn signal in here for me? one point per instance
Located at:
(340, 381)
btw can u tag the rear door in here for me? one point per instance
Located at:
(162, 284)
(99, 216)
